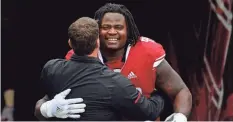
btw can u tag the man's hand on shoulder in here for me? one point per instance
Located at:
(60, 107)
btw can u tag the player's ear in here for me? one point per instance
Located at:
(69, 42)
(97, 20)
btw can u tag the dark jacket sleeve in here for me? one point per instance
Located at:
(45, 82)
(132, 104)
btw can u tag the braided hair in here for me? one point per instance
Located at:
(132, 30)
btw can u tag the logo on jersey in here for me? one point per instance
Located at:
(131, 75)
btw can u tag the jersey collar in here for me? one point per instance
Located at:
(126, 54)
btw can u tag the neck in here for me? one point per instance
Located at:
(111, 55)
(94, 53)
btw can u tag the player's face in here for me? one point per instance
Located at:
(113, 31)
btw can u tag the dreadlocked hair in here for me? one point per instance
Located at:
(132, 30)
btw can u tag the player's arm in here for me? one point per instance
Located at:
(68, 108)
(37, 111)
(132, 104)
(58, 106)
(172, 84)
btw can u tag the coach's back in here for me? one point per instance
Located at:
(89, 79)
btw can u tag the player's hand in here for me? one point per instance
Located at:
(60, 107)
(176, 117)
(7, 114)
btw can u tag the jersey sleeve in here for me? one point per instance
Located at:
(69, 54)
(158, 55)
(155, 50)
(132, 104)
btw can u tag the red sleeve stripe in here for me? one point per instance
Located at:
(139, 95)
(161, 57)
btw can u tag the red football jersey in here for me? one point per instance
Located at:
(69, 54)
(140, 64)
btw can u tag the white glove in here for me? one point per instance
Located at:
(60, 107)
(176, 117)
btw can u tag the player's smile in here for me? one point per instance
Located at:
(112, 42)
(112, 39)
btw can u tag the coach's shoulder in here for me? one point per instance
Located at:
(111, 76)
(53, 62)
(120, 80)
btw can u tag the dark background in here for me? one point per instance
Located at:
(35, 31)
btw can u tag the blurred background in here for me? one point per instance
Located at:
(196, 34)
